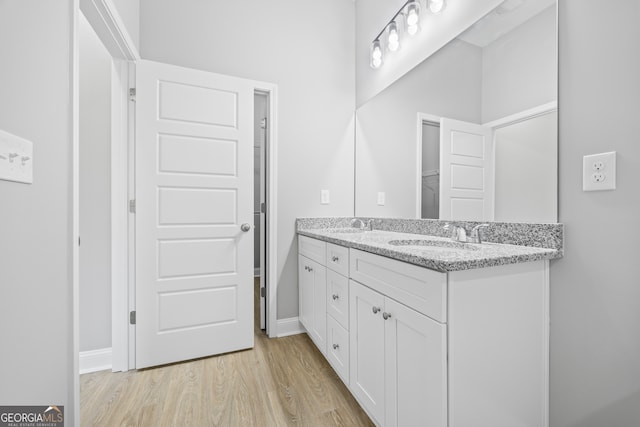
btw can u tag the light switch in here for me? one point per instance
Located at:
(324, 197)
(599, 172)
(381, 198)
(16, 158)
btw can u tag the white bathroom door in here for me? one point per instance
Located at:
(194, 192)
(466, 171)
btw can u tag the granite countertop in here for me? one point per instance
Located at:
(440, 254)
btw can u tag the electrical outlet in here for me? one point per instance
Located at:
(599, 172)
(324, 197)
(381, 198)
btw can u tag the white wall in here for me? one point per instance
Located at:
(437, 30)
(36, 306)
(307, 49)
(526, 168)
(595, 288)
(129, 11)
(95, 187)
(448, 84)
(520, 69)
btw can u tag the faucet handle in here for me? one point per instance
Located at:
(476, 232)
(357, 223)
(458, 231)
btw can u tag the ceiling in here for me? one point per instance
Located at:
(504, 18)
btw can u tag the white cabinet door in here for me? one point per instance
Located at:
(415, 368)
(367, 349)
(313, 300)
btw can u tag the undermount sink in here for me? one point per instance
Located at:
(345, 230)
(434, 244)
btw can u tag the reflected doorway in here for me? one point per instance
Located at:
(430, 181)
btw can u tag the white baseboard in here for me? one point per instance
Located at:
(290, 326)
(95, 360)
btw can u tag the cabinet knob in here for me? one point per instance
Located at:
(335, 296)
(335, 258)
(386, 315)
(245, 227)
(376, 310)
(336, 346)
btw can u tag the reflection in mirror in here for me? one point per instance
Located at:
(471, 132)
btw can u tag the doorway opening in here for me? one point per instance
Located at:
(260, 150)
(430, 183)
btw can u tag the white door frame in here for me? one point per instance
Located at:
(108, 25)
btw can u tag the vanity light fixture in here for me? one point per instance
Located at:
(410, 11)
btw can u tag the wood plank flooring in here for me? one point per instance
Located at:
(280, 382)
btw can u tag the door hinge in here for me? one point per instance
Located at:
(263, 292)
(132, 94)
(132, 206)
(132, 317)
(263, 123)
(262, 208)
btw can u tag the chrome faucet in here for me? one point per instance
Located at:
(361, 225)
(460, 233)
(358, 223)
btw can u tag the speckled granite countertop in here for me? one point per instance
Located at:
(435, 252)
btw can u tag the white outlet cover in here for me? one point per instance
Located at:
(324, 197)
(381, 198)
(599, 172)
(16, 158)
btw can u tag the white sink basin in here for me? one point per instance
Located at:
(434, 244)
(345, 230)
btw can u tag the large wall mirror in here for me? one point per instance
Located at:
(471, 132)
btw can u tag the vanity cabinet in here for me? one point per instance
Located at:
(417, 347)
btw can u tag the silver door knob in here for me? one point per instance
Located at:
(376, 310)
(245, 227)
(386, 315)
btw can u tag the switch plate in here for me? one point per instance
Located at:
(324, 197)
(599, 172)
(381, 198)
(16, 158)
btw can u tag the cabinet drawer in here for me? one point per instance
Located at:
(338, 258)
(417, 287)
(313, 249)
(338, 298)
(338, 348)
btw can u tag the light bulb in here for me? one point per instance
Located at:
(436, 6)
(376, 54)
(412, 17)
(393, 38)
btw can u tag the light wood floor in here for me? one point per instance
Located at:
(281, 382)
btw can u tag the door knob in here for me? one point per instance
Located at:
(245, 227)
